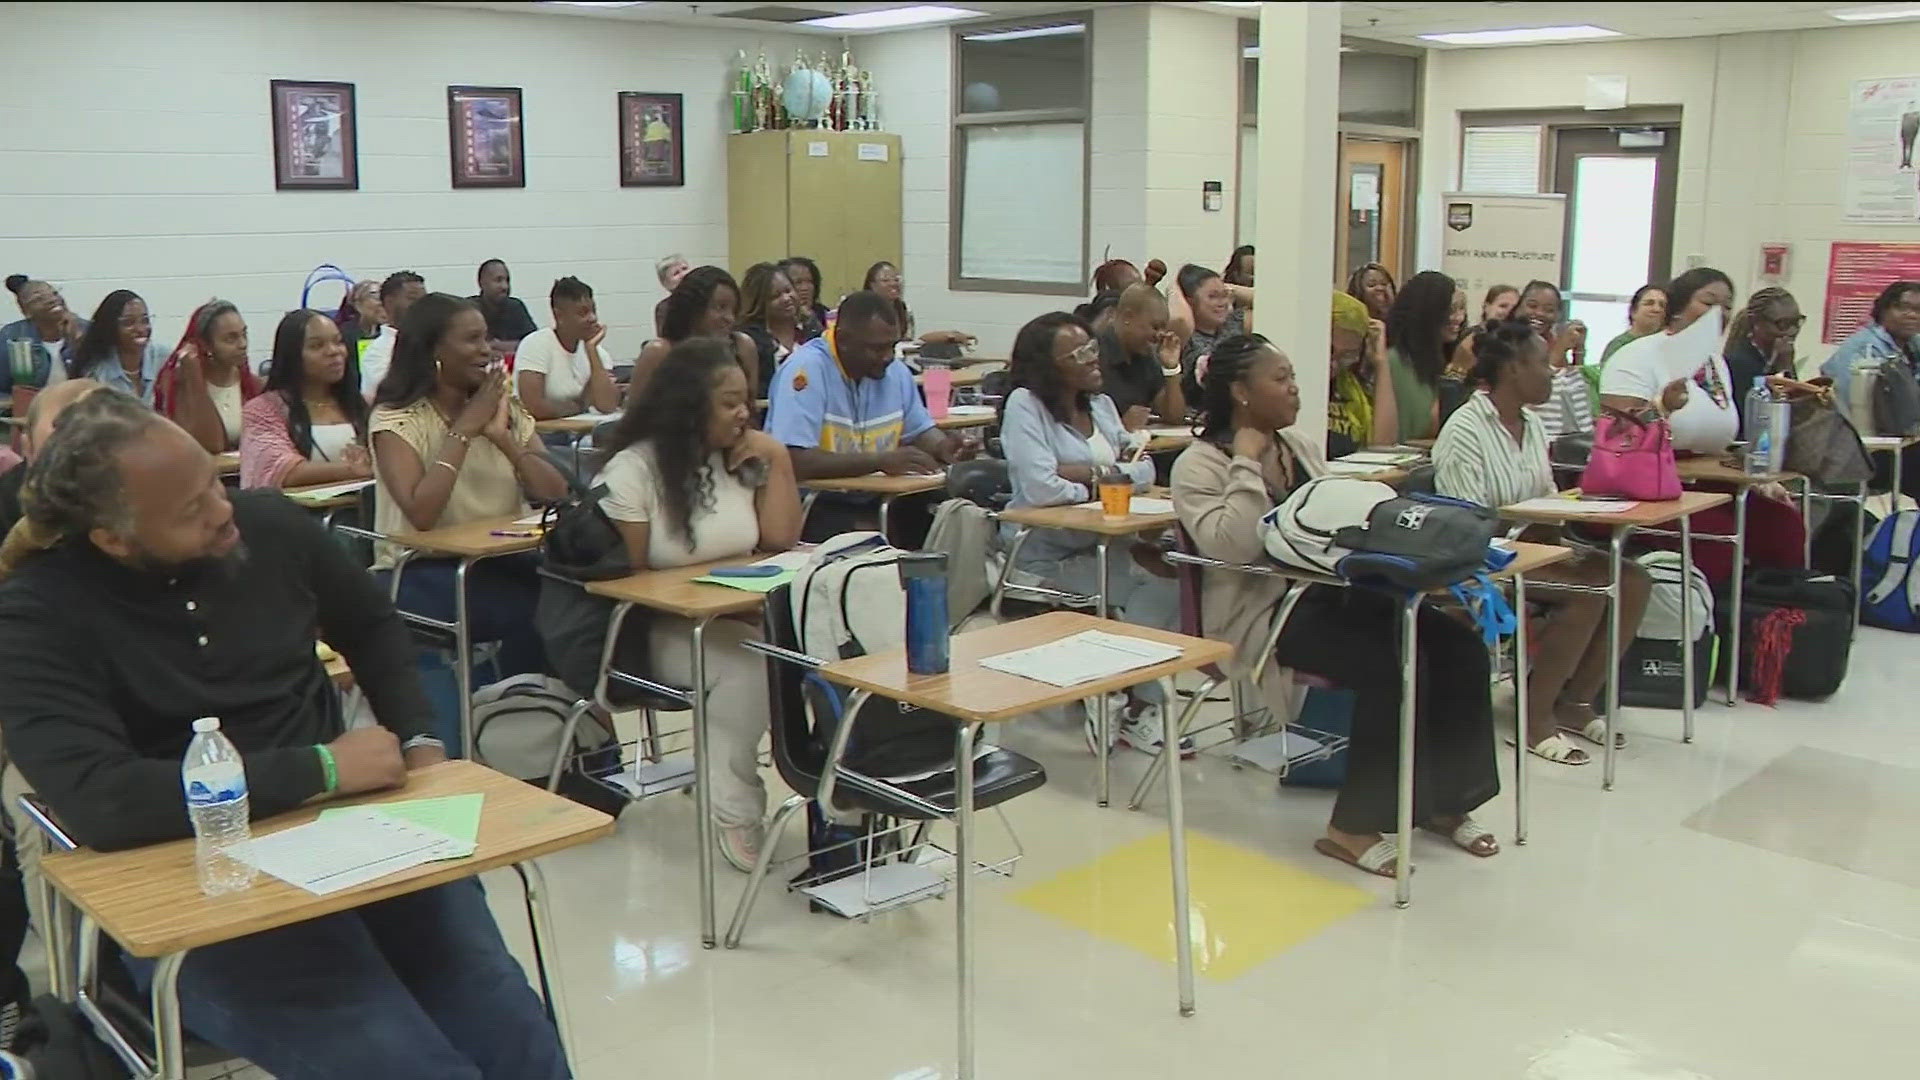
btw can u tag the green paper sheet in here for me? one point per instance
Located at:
(750, 584)
(456, 815)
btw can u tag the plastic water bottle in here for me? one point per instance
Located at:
(15, 1068)
(215, 781)
(1759, 429)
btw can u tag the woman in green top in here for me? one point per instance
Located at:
(1416, 353)
(1647, 315)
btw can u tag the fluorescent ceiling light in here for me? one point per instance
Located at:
(1237, 3)
(597, 3)
(893, 18)
(1029, 32)
(1522, 35)
(1875, 14)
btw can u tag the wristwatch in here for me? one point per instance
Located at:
(423, 740)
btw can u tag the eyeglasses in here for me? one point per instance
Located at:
(1084, 353)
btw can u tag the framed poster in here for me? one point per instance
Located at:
(1856, 272)
(315, 136)
(1883, 123)
(485, 137)
(651, 140)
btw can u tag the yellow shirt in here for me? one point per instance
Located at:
(486, 487)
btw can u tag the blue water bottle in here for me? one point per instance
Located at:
(924, 577)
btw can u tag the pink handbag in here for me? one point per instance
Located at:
(1632, 459)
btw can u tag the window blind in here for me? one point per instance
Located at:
(1023, 204)
(1500, 160)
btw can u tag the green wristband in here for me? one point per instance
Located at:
(327, 763)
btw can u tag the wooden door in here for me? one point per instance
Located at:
(1371, 194)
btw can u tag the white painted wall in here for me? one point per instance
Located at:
(1762, 143)
(138, 153)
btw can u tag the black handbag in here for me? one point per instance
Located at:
(1796, 632)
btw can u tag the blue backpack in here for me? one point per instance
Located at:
(1892, 590)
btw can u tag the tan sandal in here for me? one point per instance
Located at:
(1378, 859)
(1595, 732)
(1560, 750)
(1469, 836)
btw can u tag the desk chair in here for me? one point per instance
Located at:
(105, 994)
(819, 770)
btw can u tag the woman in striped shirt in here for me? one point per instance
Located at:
(1493, 451)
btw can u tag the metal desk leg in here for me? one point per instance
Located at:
(963, 888)
(1103, 722)
(886, 517)
(169, 1038)
(1170, 735)
(1520, 709)
(1899, 462)
(463, 660)
(1409, 679)
(1860, 543)
(59, 940)
(1686, 631)
(702, 780)
(1739, 582)
(533, 885)
(1614, 548)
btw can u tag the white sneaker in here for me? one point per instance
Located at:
(740, 844)
(1142, 730)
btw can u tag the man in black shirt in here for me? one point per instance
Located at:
(507, 318)
(1140, 360)
(139, 595)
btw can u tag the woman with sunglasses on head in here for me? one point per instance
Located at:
(1246, 461)
(1061, 435)
(208, 380)
(309, 426)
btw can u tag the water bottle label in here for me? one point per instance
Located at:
(215, 784)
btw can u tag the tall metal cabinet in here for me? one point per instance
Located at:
(833, 196)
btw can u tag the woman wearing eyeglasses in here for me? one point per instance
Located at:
(1760, 342)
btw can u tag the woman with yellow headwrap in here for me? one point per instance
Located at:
(1360, 403)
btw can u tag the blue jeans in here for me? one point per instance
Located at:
(419, 987)
(501, 596)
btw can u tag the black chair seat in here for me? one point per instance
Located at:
(998, 776)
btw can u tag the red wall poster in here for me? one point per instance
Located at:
(1856, 273)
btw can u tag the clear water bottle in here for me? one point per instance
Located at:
(1759, 432)
(215, 781)
(15, 1068)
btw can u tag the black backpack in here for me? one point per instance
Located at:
(1796, 633)
(1896, 399)
(1418, 542)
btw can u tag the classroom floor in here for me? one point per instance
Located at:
(1744, 908)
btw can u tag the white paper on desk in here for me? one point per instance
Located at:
(1171, 431)
(534, 518)
(1141, 504)
(1554, 504)
(1082, 658)
(1339, 467)
(590, 414)
(343, 850)
(970, 410)
(1380, 457)
(330, 491)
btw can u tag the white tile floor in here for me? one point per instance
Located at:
(1620, 944)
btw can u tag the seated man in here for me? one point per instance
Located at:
(507, 318)
(139, 595)
(846, 407)
(46, 407)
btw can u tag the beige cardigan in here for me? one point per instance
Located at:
(1220, 499)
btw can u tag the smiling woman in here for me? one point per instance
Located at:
(118, 348)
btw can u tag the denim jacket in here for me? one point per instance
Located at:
(1036, 445)
(1870, 346)
(45, 354)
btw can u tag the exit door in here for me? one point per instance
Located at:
(1372, 205)
(1619, 185)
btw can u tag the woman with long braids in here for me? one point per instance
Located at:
(207, 381)
(1760, 342)
(1416, 350)
(1244, 462)
(310, 425)
(690, 480)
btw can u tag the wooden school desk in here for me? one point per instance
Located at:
(1106, 531)
(148, 899)
(674, 592)
(888, 488)
(974, 695)
(1646, 515)
(469, 543)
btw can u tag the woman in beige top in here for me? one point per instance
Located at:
(451, 446)
(1245, 462)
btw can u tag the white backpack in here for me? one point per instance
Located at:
(848, 601)
(517, 724)
(1662, 619)
(1299, 532)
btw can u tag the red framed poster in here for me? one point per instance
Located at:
(1856, 272)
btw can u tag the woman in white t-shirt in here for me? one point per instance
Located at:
(1699, 408)
(690, 480)
(560, 370)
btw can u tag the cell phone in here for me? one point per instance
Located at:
(745, 571)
